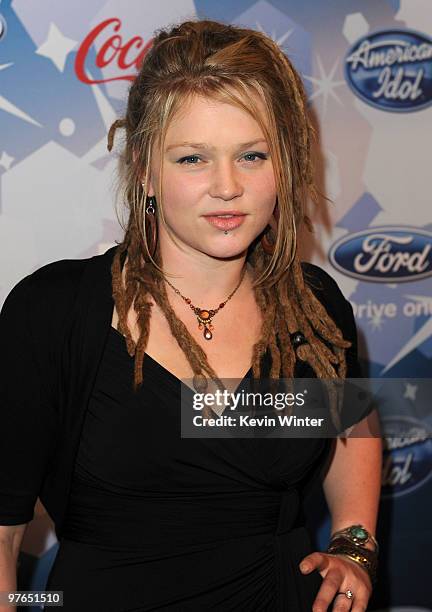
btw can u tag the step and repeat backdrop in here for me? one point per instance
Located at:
(65, 68)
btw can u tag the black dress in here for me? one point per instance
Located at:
(160, 522)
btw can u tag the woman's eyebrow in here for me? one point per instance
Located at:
(203, 145)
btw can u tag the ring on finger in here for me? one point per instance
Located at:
(348, 593)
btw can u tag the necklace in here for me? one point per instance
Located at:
(205, 315)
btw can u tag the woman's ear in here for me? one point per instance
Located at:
(150, 191)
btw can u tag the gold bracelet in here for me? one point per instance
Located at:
(367, 559)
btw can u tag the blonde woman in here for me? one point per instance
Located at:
(205, 286)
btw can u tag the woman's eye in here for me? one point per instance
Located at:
(192, 160)
(248, 156)
(189, 160)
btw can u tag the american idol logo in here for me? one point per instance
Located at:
(407, 456)
(391, 70)
(384, 254)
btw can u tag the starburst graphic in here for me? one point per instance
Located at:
(325, 84)
(376, 322)
(56, 47)
(410, 391)
(8, 107)
(280, 41)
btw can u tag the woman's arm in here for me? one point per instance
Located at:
(352, 483)
(10, 543)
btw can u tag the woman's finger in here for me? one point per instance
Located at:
(342, 603)
(315, 560)
(360, 601)
(329, 587)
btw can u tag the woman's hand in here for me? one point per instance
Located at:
(340, 574)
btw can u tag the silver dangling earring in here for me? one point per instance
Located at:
(151, 225)
(150, 209)
(151, 203)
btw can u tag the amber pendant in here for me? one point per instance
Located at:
(204, 321)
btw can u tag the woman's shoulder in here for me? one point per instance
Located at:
(323, 285)
(319, 280)
(50, 288)
(327, 290)
(55, 280)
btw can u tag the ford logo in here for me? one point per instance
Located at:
(407, 455)
(384, 254)
(391, 70)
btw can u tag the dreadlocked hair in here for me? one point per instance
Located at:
(233, 65)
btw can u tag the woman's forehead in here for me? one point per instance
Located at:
(203, 119)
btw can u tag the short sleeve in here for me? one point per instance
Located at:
(28, 413)
(357, 402)
(356, 405)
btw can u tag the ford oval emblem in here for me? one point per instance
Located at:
(391, 70)
(384, 254)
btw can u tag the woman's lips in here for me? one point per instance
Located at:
(226, 223)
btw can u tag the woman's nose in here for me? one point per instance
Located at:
(225, 182)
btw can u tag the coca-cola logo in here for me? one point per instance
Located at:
(407, 460)
(391, 70)
(384, 254)
(125, 55)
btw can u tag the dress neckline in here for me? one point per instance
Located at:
(165, 370)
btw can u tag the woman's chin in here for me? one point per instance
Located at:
(226, 251)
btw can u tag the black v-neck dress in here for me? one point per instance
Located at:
(160, 522)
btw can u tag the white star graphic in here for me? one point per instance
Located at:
(410, 391)
(419, 337)
(325, 84)
(56, 47)
(280, 40)
(376, 322)
(6, 160)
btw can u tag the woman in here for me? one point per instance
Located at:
(205, 286)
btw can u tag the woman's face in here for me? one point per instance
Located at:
(218, 182)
